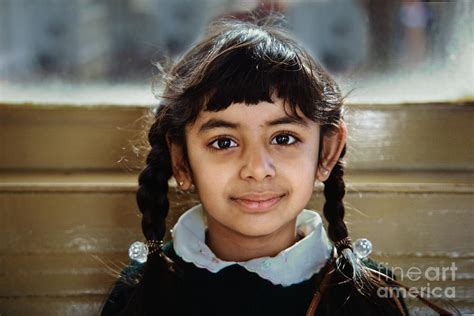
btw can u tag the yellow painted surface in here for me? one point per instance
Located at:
(73, 244)
(418, 137)
(68, 212)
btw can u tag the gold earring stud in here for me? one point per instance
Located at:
(180, 183)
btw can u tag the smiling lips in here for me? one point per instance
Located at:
(259, 201)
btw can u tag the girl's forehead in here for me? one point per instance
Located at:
(241, 111)
(244, 115)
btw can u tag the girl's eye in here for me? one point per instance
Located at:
(223, 143)
(284, 139)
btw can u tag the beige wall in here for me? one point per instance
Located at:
(68, 213)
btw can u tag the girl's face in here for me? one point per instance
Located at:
(254, 167)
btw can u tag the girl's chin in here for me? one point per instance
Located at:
(254, 230)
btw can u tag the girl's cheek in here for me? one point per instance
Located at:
(298, 153)
(222, 157)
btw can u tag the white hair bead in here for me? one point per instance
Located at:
(138, 251)
(362, 248)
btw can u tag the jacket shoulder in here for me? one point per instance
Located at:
(123, 289)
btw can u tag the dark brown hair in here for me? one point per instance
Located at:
(242, 62)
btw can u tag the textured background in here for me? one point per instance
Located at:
(68, 214)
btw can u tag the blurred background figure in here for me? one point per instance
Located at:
(336, 32)
(415, 19)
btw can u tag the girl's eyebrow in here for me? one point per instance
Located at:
(288, 120)
(219, 123)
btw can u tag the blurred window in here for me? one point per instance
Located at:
(81, 51)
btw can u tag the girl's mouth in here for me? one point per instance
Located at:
(257, 204)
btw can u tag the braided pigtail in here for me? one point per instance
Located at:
(334, 191)
(157, 281)
(152, 194)
(350, 272)
(334, 211)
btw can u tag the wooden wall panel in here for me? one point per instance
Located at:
(68, 212)
(416, 223)
(78, 250)
(53, 222)
(414, 137)
(381, 137)
(66, 222)
(57, 306)
(68, 138)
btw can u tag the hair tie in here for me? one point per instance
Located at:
(343, 244)
(139, 251)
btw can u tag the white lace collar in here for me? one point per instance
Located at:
(292, 265)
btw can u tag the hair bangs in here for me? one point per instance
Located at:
(258, 68)
(243, 63)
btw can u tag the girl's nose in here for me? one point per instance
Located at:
(257, 165)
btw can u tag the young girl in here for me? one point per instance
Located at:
(250, 121)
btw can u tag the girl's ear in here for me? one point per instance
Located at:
(180, 167)
(332, 146)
